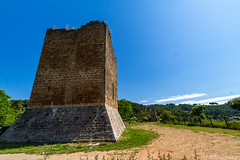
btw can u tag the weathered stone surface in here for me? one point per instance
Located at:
(153, 115)
(66, 124)
(74, 95)
(76, 67)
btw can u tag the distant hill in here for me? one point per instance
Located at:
(215, 111)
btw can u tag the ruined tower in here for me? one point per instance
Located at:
(153, 114)
(74, 95)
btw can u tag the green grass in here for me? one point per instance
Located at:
(221, 124)
(130, 138)
(197, 129)
(216, 124)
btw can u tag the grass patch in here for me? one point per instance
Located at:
(197, 129)
(130, 138)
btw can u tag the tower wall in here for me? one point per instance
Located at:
(110, 74)
(71, 69)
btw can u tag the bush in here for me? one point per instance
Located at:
(165, 116)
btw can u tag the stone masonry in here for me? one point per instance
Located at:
(74, 95)
(153, 114)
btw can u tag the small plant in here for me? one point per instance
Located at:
(195, 155)
(160, 157)
(132, 157)
(149, 156)
(64, 146)
(103, 144)
(79, 146)
(169, 157)
(184, 158)
(159, 154)
(96, 157)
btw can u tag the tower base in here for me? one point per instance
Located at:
(66, 124)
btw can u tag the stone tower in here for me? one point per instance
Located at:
(153, 114)
(74, 95)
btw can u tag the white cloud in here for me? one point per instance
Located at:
(222, 102)
(219, 100)
(180, 97)
(146, 104)
(143, 101)
(187, 102)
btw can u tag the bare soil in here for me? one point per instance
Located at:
(176, 142)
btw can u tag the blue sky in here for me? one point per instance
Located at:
(168, 51)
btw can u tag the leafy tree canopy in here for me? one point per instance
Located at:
(165, 115)
(125, 109)
(10, 110)
(235, 103)
(198, 111)
(6, 116)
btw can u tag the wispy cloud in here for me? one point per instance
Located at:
(222, 102)
(181, 97)
(187, 102)
(149, 104)
(143, 101)
(219, 100)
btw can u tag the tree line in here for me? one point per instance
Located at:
(10, 110)
(210, 116)
(128, 110)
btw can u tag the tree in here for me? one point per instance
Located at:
(125, 109)
(133, 119)
(198, 111)
(235, 103)
(7, 115)
(165, 116)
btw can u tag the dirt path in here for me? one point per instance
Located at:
(180, 142)
(176, 142)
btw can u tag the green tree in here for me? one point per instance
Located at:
(235, 103)
(198, 111)
(125, 109)
(165, 116)
(7, 115)
(133, 119)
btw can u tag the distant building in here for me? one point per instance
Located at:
(234, 118)
(213, 103)
(153, 115)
